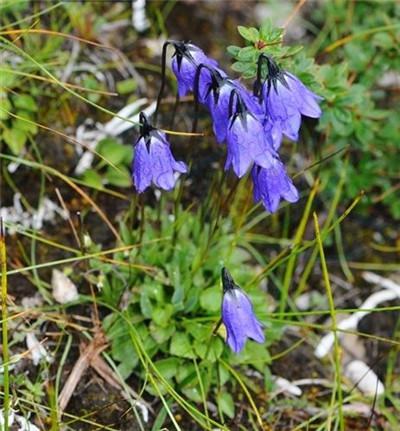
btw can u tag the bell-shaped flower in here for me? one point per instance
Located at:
(273, 184)
(286, 99)
(185, 61)
(238, 315)
(219, 100)
(153, 161)
(248, 142)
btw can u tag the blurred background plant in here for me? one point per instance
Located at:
(147, 267)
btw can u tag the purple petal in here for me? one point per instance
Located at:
(163, 163)
(307, 100)
(185, 69)
(247, 143)
(272, 184)
(282, 107)
(142, 174)
(220, 111)
(239, 320)
(238, 153)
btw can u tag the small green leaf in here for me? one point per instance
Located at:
(241, 67)
(113, 151)
(23, 125)
(15, 139)
(210, 299)
(226, 404)
(167, 367)
(8, 78)
(5, 105)
(126, 86)
(120, 178)
(249, 33)
(160, 334)
(210, 349)
(92, 179)
(248, 54)
(161, 315)
(233, 50)
(181, 346)
(145, 304)
(25, 101)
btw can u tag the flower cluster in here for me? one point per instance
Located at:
(251, 124)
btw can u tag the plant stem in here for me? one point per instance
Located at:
(4, 326)
(332, 310)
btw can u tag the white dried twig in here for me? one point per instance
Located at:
(24, 424)
(139, 19)
(284, 385)
(16, 215)
(391, 291)
(64, 290)
(36, 349)
(362, 376)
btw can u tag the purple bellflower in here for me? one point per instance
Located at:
(238, 315)
(286, 98)
(185, 61)
(247, 140)
(271, 184)
(153, 161)
(217, 95)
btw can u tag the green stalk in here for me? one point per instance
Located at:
(296, 242)
(329, 219)
(332, 310)
(4, 326)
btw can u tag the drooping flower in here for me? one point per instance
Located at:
(238, 315)
(272, 184)
(185, 61)
(247, 141)
(286, 99)
(218, 95)
(153, 161)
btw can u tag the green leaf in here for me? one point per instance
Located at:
(8, 78)
(248, 54)
(233, 50)
(255, 354)
(199, 331)
(160, 334)
(226, 404)
(249, 33)
(114, 151)
(25, 101)
(211, 349)
(120, 178)
(126, 86)
(23, 125)
(241, 67)
(92, 179)
(161, 315)
(210, 299)
(181, 346)
(193, 394)
(167, 367)
(5, 105)
(145, 304)
(15, 139)
(123, 351)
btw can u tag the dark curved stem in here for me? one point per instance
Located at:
(196, 93)
(163, 63)
(174, 109)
